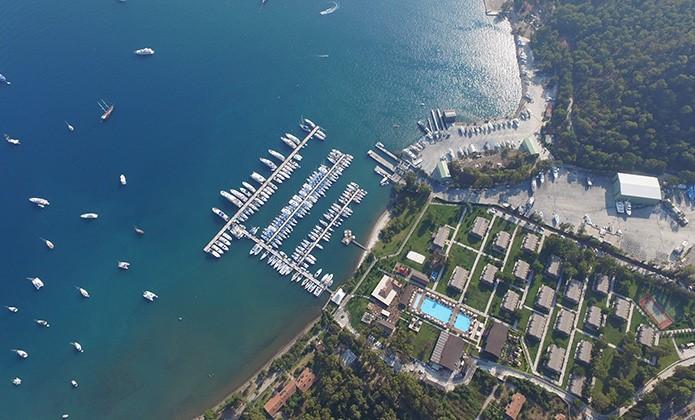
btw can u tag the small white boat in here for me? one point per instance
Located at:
(40, 202)
(12, 309)
(149, 296)
(66, 416)
(21, 353)
(70, 127)
(144, 51)
(89, 216)
(83, 292)
(122, 179)
(77, 346)
(42, 323)
(139, 231)
(48, 243)
(14, 142)
(4, 80)
(74, 383)
(123, 265)
(628, 208)
(16, 382)
(36, 282)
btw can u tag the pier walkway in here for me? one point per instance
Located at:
(254, 196)
(381, 161)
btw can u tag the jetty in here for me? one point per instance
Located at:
(233, 220)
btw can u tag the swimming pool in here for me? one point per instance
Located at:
(436, 310)
(462, 323)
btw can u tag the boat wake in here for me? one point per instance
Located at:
(321, 55)
(331, 9)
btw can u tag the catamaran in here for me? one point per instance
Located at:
(149, 296)
(106, 109)
(36, 282)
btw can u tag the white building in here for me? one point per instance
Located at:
(638, 189)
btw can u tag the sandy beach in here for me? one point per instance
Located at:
(373, 237)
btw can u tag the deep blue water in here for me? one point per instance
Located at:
(228, 78)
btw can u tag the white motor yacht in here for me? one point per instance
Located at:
(83, 292)
(69, 126)
(74, 383)
(12, 141)
(89, 216)
(16, 382)
(144, 51)
(122, 179)
(40, 202)
(77, 346)
(12, 309)
(48, 243)
(36, 282)
(42, 323)
(21, 353)
(149, 296)
(123, 265)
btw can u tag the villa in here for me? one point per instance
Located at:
(303, 383)
(584, 350)
(458, 279)
(573, 291)
(556, 357)
(530, 243)
(489, 274)
(480, 227)
(602, 284)
(576, 385)
(495, 339)
(564, 323)
(514, 407)
(544, 300)
(510, 301)
(622, 308)
(536, 326)
(554, 267)
(646, 335)
(440, 238)
(521, 270)
(594, 319)
(502, 241)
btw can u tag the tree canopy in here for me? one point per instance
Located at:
(626, 81)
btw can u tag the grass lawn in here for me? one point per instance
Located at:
(467, 225)
(536, 284)
(369, 283)
(672, 355)
(524, 315)
(495, 310)
(405, 220)
(683, 338)
(356, 308)
(532, 346)
(478, 294)
(423, 342)
(578, 337)
(434, 217)
(499, 225)
(637, 320)
(515, 252)
(460, 256)
(613, 331)
(556, 337)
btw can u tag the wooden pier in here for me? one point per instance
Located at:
(269, 179)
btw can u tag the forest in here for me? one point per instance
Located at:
(625, 72)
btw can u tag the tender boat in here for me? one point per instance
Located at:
(144, 51)
(149, 296)
(139, 231)
(123, 265)
(21, 353)
(77, 346)
(12, 141)
(74, 383)
(12, 309)
(70, 127)
(42, 323)
(628, 208)
(122, 179)
(38, 284)
(40, 202)
(89, 216)
(48, 243)
(83, 292)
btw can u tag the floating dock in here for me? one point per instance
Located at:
(381, 160)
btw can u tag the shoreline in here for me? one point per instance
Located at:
(373, 236)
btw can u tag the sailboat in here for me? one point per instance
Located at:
(106, 108)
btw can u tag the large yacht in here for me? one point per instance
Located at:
(144, 51)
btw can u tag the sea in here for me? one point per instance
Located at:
(228, 78)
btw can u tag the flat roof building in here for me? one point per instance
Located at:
(545, 297)
(338, 296)
(564, 323)
(602, 284)
(622, 308)
(458, 279)
(415, 257)
(556, 357)
(554, 266)
(502, 241)
(480, 226)
(637, 188)
(584, 350)
(531, 146)
(448, 351)
(521, 270)
(573, 291)
(489, 274)
(576, 385)
(514, 407)
(385, 291)
(646, 335)
(594, 318)
(530, 243)
(441, 172)
(536, 326)
(420, 278)
(495, 339)
(440, 238)
(510, 301)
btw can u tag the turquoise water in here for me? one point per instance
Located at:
(436, 310)
(228, 78)
(462, 323)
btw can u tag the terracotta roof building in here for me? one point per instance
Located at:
(514, 407)
(602, 284)
(305, 380)
(480, 226)
(458, 279)
(277, 401)
(502, 240)
(564, 323)
(554, 266)
(510, 301)
(489, 274)
(530, 243)
(495, 339)
(544, 299)
(536, 326)
(521, 270)
(573, 291)
(584, 350)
